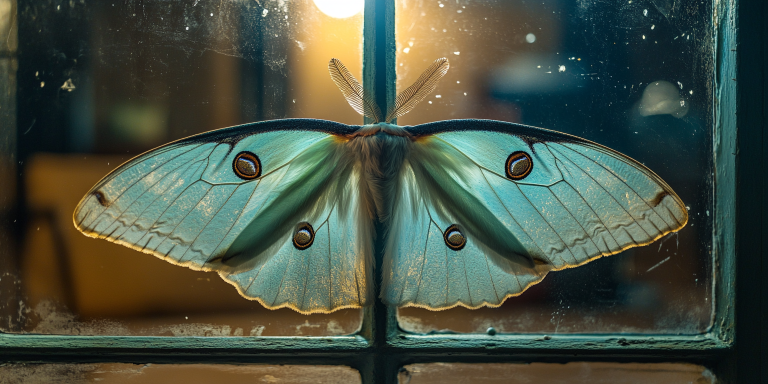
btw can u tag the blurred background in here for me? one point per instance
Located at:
(90, 85)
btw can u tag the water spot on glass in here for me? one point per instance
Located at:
(465, 93)
(430, 102)
(458, 82)
(438, 96)
(530, 38)
(442, 5)
(406, 50)
(456, 53)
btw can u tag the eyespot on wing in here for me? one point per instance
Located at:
(519, 165)
(454, 238)
(246, 165)
(272, 149)
(303, 236)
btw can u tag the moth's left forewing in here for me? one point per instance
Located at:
(566, 200)
(190, 201)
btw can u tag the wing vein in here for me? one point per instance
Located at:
(208, 223)
(143, 193)
(623, 182)
(548, 224)
(612, 198)
(501, 202)
(149, 229)
(423, 261)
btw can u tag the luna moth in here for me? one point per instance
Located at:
(473, 211)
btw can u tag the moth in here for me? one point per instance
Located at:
(473, 211)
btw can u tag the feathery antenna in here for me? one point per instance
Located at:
(353, 91)
(426, 83)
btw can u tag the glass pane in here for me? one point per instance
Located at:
(634, 76)
(100, 82)
(177, 373)
(571, 373)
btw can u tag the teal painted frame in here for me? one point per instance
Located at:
(381, 347)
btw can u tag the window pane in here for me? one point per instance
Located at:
(177, 373)
(101, 82)
(571, 373)
(634, 76)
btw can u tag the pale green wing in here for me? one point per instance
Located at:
(421, 270)
(578, 202)
(187, 204)
(333, 273)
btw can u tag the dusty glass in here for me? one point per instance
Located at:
(177, 373)
(635, 76)
(571, 373)
(100, 82)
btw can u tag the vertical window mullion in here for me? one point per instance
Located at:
(379, 81)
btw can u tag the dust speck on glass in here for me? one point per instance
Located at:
(128, 76)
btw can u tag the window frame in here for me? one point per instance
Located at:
(381, 348)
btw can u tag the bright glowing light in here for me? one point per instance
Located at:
(340, 9)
